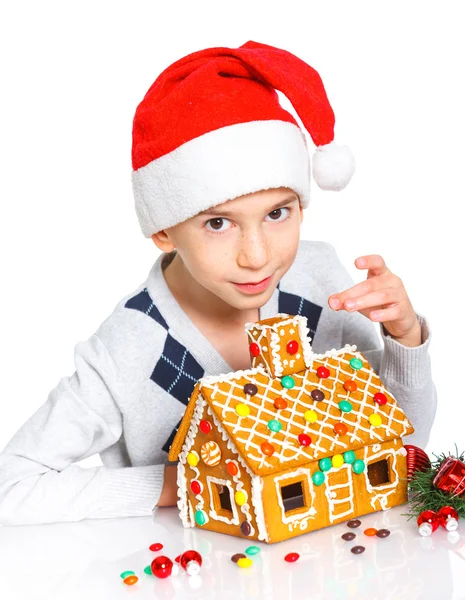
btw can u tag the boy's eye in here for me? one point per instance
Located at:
(278, 213)
(216, 224)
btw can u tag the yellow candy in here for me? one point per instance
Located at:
(242, 410)
(240, 498)
(337, 461)
(310, 416)
(193, 459)
(244, 562)
(375, 420)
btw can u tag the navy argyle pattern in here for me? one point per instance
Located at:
(177, 371)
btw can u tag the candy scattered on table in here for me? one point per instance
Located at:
(156, 547)
(354, 523)
(292, 557)
(251, 550)
(236, 557)
(126, 574)
(148, 570)
(349, 536)
(131, 580)
(383, 533)
(244, 563)
(357, 549)
(370, 532)
(161, 566)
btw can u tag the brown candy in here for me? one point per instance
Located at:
(317, 395)
(245, 528)
(236, 557)
(349, 536)
(354, 523)
(357, 549)
(250, 389)
(383, 533)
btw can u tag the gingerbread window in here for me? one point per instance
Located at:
(378, 472)
(293, 496)
(222, 504)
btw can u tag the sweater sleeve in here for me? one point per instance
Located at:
(39, 482)
(404, 371)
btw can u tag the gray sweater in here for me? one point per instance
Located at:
(132, 382)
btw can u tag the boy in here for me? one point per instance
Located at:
(221, 177)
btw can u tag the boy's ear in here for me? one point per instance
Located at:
(162, 241)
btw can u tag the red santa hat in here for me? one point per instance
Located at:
(211, 128)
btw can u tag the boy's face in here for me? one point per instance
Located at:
(245, 240)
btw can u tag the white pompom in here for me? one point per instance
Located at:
(333, 166)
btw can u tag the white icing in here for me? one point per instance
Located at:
(257, 501)
(340, 494)
(402, 451)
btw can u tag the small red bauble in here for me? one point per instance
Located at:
(280, 403)
(205, 426)
(322, 372)
(380, 398)
(340, 429)
(196, 487)
(161, 566)
(304, 439)
(350, 385)
(267, 449)
(254, 349)
(232, 468)
(191, 561)
(292, 347)
(448, 518)
(427, 522)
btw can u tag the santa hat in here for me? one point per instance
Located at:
(211, 128)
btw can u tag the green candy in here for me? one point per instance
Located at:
(318, 478)
(274, 425)
(325, 464)
(200, 517)
(251, 550)
(148, 570)
(287, 382)
(349, 457)
(126, 574)
(358, 466)
(345, 406)
(356, 364)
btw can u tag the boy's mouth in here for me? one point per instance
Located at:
(254, 287)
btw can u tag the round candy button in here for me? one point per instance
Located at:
(274, 425)
(356, 364)
(318, 478)
(196, 487)
(322, 372)
(349, 457)
(325, 464)
(254, 349)
(292, 347)
(200, 517)
(205, 426)
(337, 461)
(236, 557)
(193, 459)
(310, 416)
(292, 557)
(287, 382)
(251, 550)
(304, 439)
(383, 533)
(267, 448)
(232, 468)
(280, 403)
(131, 580)
(358, 549)
(370, 532)
(380, 398)
(244, 563)
(246, 528)
(340, 428)
(240, 497)
(317, 395)
(354, 523)
(349, 536)
(345, 406)
(350, 385)
(375, 420)
(250, 389)
(358, 466)
(242, 410)
(156, 547)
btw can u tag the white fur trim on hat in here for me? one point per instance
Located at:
(219, 166)
(333, 166)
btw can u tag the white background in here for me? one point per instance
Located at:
(72, 76)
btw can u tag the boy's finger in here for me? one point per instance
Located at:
(379, 298)
(368, 286)
(373, 262)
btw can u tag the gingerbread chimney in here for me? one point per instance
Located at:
(281, 344)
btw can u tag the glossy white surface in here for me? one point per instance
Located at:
(84, 560)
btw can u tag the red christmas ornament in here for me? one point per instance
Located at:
(417, 460)
(191, 561)
(350, 385)
(451, 477)
(254, 349)
(161, 566)
(292, 347)
(205, 426)
(322, 372)
(304, 439)
(448, 518)
(427, 522)
(380, 398)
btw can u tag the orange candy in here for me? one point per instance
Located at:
(232, 468)
(131, 580)
(267, 448)
(370, 531)
(280, 403)
(350, 385)
(340, 429)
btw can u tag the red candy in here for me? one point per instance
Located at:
(196, 487)
(254, 349)
(322, 372)
(162, 566)
(267, 449)
(350, 385)
(304, 439)
(340, 429)
(232, 468)
(205, 426)
(292, 347)
(292, 557)
(380, 398)
(191, 561)
(280, 403)
(156, 547)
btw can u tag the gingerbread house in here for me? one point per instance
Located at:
(297, 442)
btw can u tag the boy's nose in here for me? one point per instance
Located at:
(253, 252)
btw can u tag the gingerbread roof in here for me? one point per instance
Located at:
(275, 427)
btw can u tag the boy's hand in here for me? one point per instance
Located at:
(382, 298)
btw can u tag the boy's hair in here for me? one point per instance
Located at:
(211, 128)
